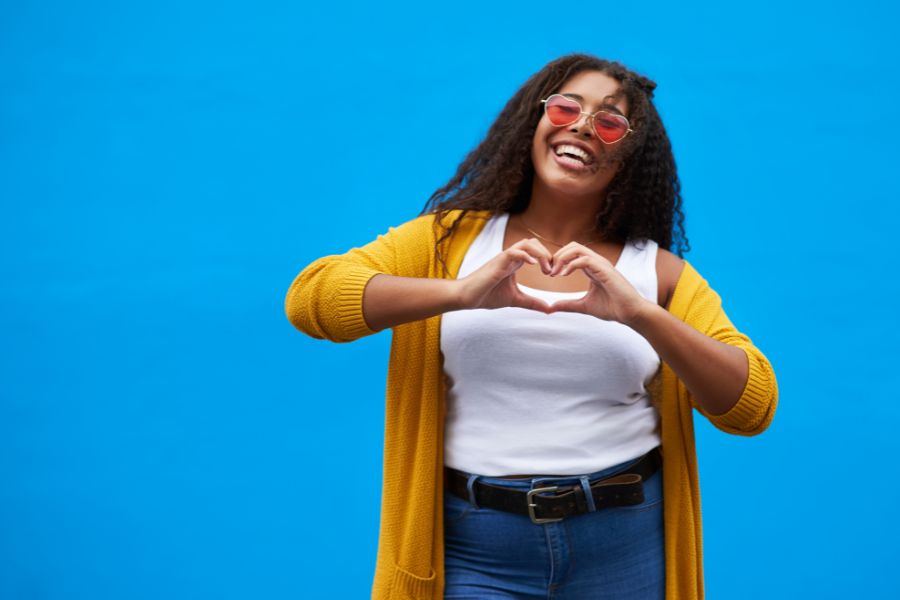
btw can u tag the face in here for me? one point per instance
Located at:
(567, 170)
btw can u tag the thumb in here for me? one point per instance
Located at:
(567, 306)
(521, 300)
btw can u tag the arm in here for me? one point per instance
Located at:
(727, 378)
(714, 372)
(386, 283)
(391, 301)
(325, 301)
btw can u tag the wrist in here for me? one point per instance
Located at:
(458, 294)
(644, 316)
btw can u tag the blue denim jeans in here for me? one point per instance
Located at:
(613, 553)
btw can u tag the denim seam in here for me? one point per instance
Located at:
(470, 483)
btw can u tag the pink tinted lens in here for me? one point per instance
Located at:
(610, 127)
(562, 111)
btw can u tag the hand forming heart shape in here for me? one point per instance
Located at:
(610, 297)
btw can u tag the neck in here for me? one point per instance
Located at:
(562, 218)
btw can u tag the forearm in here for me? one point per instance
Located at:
(714, 372)
(389, 301)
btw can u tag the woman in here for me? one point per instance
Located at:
(545, 446)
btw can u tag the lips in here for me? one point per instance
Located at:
(569, 163)
(575, 150)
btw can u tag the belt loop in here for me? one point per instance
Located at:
(588, 496)
(470, 483)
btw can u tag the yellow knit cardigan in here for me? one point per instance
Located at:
(325, 302)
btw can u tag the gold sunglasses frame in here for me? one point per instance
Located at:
(590, 118)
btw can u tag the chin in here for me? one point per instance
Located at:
(571, 186)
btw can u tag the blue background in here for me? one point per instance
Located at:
(166, 433)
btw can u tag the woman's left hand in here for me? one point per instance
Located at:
(611, 297)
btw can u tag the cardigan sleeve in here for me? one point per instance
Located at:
(325, 299)
(755, 409)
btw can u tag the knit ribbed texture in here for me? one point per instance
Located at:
(755, 408)
(701, 307)
(407, 586)
(349, 303)
(325, 301)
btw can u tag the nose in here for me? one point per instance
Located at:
(583, 125)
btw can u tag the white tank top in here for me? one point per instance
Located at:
(557, 394)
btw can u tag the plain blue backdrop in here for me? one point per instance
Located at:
(164, 175)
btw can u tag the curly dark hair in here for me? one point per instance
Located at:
(643, 200)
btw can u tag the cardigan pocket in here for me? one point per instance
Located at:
(406, 586)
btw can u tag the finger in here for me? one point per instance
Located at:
(581, 262)
(596, 268)
(574, 244)
(580, 250)
(518, 257)
(538, 250)
(569, 252)
(573, 247)
(563, 257)
(521, 300)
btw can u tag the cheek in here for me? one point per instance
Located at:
(542, 132)
(540, 157)
(536, 152)
(539, 146)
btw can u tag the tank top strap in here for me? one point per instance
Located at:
(638, 265)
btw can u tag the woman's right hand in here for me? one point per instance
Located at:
(494, 284)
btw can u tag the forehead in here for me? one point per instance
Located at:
(596, 88)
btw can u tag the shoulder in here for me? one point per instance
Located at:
(463, 217)
(447, 219)
(669, 267)
(425, 232)
(458, 225)
(433, 223)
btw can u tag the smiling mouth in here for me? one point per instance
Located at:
(573, 153)
(572, 164)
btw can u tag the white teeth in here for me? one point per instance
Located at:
(574, 151)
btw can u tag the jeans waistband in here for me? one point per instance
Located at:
(529, 482)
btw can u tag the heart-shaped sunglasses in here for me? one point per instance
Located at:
(609, 127)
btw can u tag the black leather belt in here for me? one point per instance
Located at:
(622, 489)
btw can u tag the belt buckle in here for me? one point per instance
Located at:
(531, 505)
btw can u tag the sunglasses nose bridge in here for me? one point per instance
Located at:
(585, 118)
